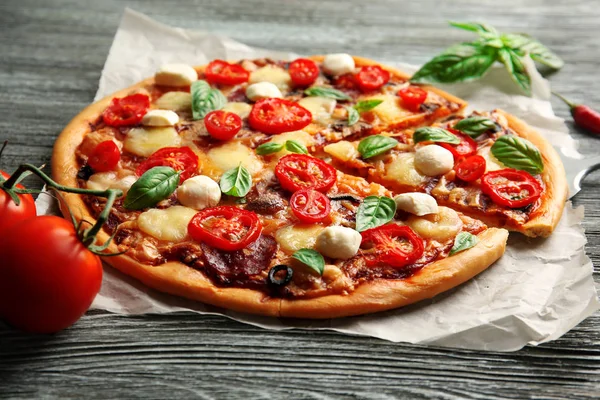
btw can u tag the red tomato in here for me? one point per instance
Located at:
(181, 159)
(225, 227)
(471, 168)
(222, 125)
(391, 244)
(412, 97)
(371, 77)
(48, 283)
(105, 157)
(310, 206)
(346, 81)
(511, 188)
(303, 71)
(276, 116)
(466, 147)
(299, 171)
(221, 72)
(10, 213)
(126, 110)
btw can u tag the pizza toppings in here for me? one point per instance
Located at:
(262, 90)
(303, 72)
(105, 156)
(223, 73)
(280, 275)
(371, 77)
(199, 192)
(126, 111)
(471, 168)
(412, 97)
(276, 116)
(154, 185)
(416, 203)
(433, 160)
(391, 244)
(442, 226)
(375, 145)
(160, 118)
(110, 180)
(299, 171)
(166, 224)
(175, 75)
(222, 125)
(145, 141)
(181, 159)
(511, 188)
(338, 64)
(338, 242)
(310, 206)
(464, 148)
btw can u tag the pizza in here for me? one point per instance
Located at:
(324, 187)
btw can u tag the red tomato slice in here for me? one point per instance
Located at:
(412, 97)
(346, 81)
(276, 116)
(471, 168)
(391, 244)
(225, 227)
(466, 147)
(181, 159)
(371, 77)
(511, 188)
(310, 205)
(303, 71)
(105, 156)
(221, 72)
(299, 171)
(222, 125)
(126, 110)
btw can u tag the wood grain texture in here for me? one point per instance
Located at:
(52, 57)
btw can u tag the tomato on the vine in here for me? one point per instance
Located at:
(10, 212)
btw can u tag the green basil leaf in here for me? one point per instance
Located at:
(518, 153)
(353, 116)
(367, 105)
(515, 67)
(269, 148)
(463, 241)
(295, 147)
(205, 99)
(311, 258)
(375, 145)
(374, 211)
(236, 182)
(327, 92)
(154, 185)
(474, 27)
(475, 126)
(536, 50)
(431, 134)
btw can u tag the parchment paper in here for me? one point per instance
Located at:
(536, 292)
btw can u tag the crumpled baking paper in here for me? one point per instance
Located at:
(536, 292)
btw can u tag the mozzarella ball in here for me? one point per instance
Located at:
(176, 75)
(338, 242)
(433, 160)
(262, 90)
(416, 203)
(338, 64)
(160, 118)
(199, 192)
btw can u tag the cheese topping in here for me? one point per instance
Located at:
(338, 64)
(343, 150)
(262, 90)
(274, 74)
(160, 118)
(239, 108)
(338, 242)
(402, 170)
(433, 160)
(145, 141)
(416, 203)
(295, 237)
(389, 110)
(199, 192)
(168, 224)
(110, 180)
(175, 101)
(441, 226)
(321, 108)
(231, 154)
(176, 75)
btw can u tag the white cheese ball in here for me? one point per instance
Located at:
(338, 242)
(160, 118)
(199, 192)
(176, 75)
(262, 90)
(433, 160)
(416, 203)
(338, 64)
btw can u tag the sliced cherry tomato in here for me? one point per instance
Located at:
(181, 159)
(511, 188)
(471, 168)
(10, 213)
(222, 125)
(126, 110)
(371, 77)
(225, 227)
(412, 97)
(303, 71)
(105, 156)
(466, 147)
(310, 205)
(391, 244)
(276, 116)
(299, 171)
(221, 72)
(346, 81)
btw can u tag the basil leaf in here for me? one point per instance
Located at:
(372, 146)
(236, 182)
(374, 211)
(367, 105)
(518, 153)
(154, 185)
(205, 99)
(475, 126)
(269, 148)
(327, 92)
(537, 51)
(474, 27)
(353, 116)
(295, 147)
(515, 67)
(311, 258)
(430, 134)
(463, 241)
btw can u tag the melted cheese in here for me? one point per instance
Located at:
(491, 162)
(239, 108)
(390, 110)
(299, 136)
(321, 108)
(300, 236)
(145, 141)
(231, 154)
(175, 101)
(403, 171)
(343, 151)
(441, 226)
(274, 74)
(110, 180)
(168, 224)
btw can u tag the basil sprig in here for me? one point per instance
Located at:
(475, 126)
(311, 258)
(292, 146)
(359, 108)
(236, 182)
(464, 241)
(205, 99)
(375, 211)
(331, 93)
(518, 153)
(431, 134)
(375, 145)
(154, 185)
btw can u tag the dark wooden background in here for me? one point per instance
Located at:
(51, 56)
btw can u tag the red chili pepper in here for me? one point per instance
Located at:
(584, 116)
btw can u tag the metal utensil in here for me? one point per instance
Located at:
(577, 169)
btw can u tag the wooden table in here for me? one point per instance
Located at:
(52, 53)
